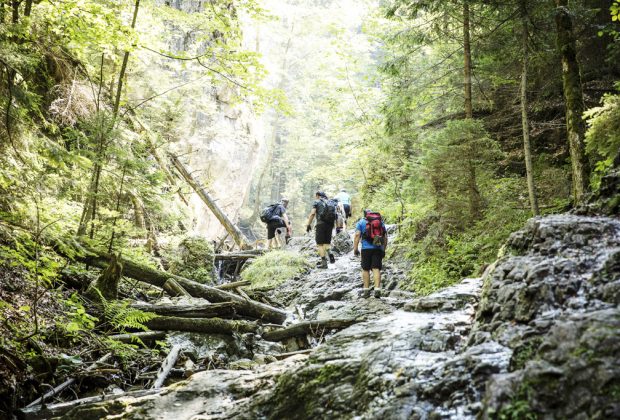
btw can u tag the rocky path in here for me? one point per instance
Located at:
(545, 306)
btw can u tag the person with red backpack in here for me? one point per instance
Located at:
(371, 231)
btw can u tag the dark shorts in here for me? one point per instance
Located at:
(372, 258)
(347, 210)
(323, 234)
(272, 226)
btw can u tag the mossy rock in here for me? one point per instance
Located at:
(274, 268)
(194, 259)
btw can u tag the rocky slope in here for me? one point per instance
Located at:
(542, 343)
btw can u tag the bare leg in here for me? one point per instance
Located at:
(321, 249)
(366, 278)
(377, 276)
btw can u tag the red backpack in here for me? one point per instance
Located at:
(375, 231)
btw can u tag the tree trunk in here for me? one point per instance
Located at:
(200, 310)
(527, 154)
(307, 327)
(573, 98)
(106, 285)
(143, 221)
(202, 325)
(142, 336)
(475, 201)
(138, 210)
(121, 76)
(28, 8)
(467, 60)
(232, 229)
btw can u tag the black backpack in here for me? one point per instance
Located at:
(268, 213)
(326, 211)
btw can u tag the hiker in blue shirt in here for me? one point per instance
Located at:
(345, 199)
(373, 235)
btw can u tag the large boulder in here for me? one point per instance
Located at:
(194, 259)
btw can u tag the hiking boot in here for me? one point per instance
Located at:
(323, 263)
(377, 293)
(332, 259)
(365, 293)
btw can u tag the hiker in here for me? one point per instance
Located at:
(340, 217)
(325, 212)
(371, 231)
(277, 223)
(345, 199)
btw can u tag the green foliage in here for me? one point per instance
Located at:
(193, 259)
(272, 269)
(119, 316)
(603, 135)
(79, 319)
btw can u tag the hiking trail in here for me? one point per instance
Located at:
(408, 356)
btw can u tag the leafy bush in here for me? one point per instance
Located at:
(274, 268)
(603, 135)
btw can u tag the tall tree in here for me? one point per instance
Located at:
(527, 154)
(90, 206)
(475, 201)
(573, 99)
(467, 60)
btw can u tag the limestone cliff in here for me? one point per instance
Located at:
(199, 116)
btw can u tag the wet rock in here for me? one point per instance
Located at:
(342, 243)
(540, 340)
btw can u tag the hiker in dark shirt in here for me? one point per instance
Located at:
(323, 234)
(278, 226)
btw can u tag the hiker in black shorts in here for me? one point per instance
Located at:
(278, 226)
(371, 232)
(324, 226)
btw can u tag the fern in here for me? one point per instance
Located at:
(121, 317)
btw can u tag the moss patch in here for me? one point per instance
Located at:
(273, 269)
(193, 259)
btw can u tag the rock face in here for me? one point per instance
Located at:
(215, 133)
(536, 337)
(554, 302)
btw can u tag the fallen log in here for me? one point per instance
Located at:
(241, 293)
(174, 288)
(237, 255)
(307, 327)
(48, 411)
(203, 310)
(234, 231)
(167, 365)
(67, 383)
(158, 278)
(202, 325)
(143, 336)
(233, 284)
